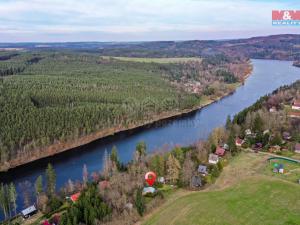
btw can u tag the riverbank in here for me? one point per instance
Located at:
(60, 147)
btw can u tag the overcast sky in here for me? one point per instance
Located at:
(138, 20)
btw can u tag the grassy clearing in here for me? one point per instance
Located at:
(256, 201)
(242, 195)
(159, 60)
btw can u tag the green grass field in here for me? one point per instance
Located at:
(158, 60)
(242, 195)
(256, 201)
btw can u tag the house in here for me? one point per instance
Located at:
(248, 132)
(226, 147)
(74, 198)
(26, 213)
(294, 114)
(239, 142)
(274, 149)
(202, 169)
(104, 184)
(220, 151)
(280, 168)
(213, 159)
(148, 190)
(196, 181)
(46, 222)
(297, 148)
(286, 136)
(296, 105)
(257, 146)
(161, 180)
(273, 109)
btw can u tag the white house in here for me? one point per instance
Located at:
(296, 105)
(248, 132)
(213, 159)
(29, 211)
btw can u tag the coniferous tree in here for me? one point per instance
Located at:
(4, 202)
(85, 174)
(114, 156)
(140, 202)
(173, 169)
(13, 197)
(51, 180)
(38, 185)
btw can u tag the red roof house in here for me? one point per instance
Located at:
(46, 222)
(75, 197)
(104, 184)
(296, 105)
(239, 141)
(220, 151)
(294, 114)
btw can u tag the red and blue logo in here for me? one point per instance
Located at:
(286, 17)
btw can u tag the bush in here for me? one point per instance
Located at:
(54, 203)
(215, 172)
(207, 179)
(220, 165)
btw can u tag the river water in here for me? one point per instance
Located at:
(267, 76)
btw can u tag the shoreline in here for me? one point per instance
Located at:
(61, 147)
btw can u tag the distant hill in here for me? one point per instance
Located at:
(282, 47)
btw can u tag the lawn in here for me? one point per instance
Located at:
(243, 194)
(159, 60)
(255, 201)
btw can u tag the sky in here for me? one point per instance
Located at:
(138, 20)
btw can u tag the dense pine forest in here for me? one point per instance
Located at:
(49, 97)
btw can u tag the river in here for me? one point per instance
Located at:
(267, 75)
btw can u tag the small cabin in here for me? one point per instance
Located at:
(297, 148)
(74, 198)
(196, 181)
(296, 105)
(220, 151)
(148, 190)
(294, 114)
(286, 136)
(202, 169)
(248, 132)
(28, 212)
(213, 159)
(274, 149)
(161, 180)
(239, 142)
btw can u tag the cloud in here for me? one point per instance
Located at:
(135, 18)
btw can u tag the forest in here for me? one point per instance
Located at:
(49, 97)
(114, 195)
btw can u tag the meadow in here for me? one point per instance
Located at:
(159, 60)
(242, 195)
